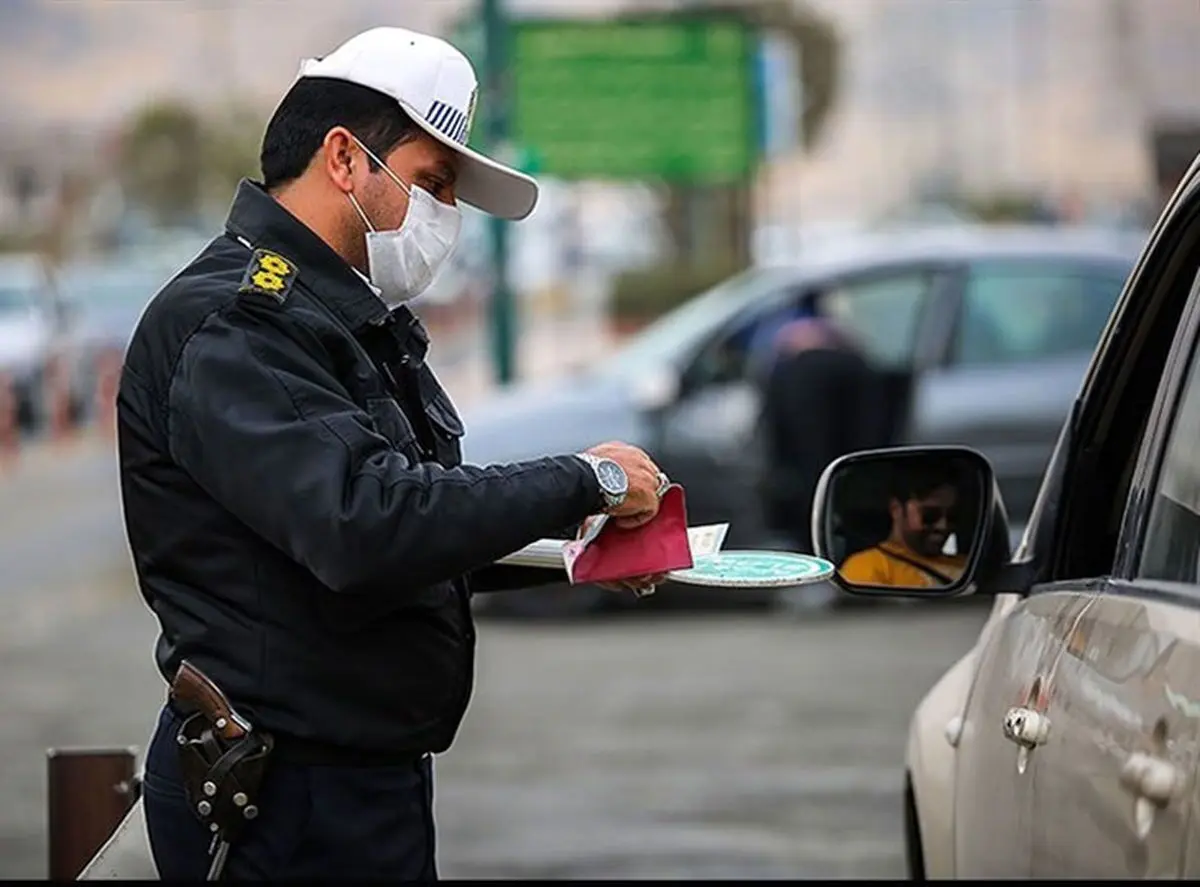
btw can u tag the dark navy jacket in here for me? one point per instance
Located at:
(299, 519)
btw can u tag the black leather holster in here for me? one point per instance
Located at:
(222, 778)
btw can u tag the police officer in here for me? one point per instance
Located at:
(299, 519)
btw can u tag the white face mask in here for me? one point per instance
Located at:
(402, 263)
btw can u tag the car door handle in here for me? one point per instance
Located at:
(1152, 778)
(1154, 783)
(1028, 728)
(954, 730)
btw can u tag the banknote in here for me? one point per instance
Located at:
(549, 553)
(707, 539)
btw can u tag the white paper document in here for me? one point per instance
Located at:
(548, 553)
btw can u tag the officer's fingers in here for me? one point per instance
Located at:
(647, 581)
(644, 478)
(637, 518)
(645, 463)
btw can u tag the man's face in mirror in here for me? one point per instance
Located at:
(925, 523)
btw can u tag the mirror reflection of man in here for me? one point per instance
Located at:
(916, 552)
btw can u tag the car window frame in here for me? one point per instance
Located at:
(1145, 296)
(1168, 403)
(939, 275)
(928, 340)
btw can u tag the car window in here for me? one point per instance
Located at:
(883, 313)
(735, 353)
(1016, 313)
(1171, 548)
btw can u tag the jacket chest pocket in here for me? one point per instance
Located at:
(447, 429)
(391, 422)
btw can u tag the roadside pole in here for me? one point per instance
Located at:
(502, 309)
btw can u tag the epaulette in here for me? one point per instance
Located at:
(269, 274)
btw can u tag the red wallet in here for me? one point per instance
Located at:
(608, 553)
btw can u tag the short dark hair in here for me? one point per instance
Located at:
(315, 105)
(918, 478)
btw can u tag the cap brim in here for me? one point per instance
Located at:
(484, 183)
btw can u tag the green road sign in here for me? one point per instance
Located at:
(667, 98)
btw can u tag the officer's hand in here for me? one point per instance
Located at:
(639, 585)
(645, 481)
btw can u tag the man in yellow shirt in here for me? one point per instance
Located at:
(922, 509)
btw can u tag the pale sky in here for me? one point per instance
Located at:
(1027, 89)
(93, 60)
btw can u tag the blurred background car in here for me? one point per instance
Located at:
(984, 332)
(31, 332)
(102, 300)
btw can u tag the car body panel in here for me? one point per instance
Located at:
(31, 332)
(929, 762)
(993, 795)
(934, 734)
(1122, 682)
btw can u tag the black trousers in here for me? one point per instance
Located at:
(315, 821)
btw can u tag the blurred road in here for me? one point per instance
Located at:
(672, 746)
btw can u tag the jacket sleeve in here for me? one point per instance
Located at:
(506, 577)
(258, 420)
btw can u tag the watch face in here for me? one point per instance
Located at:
(612, 478)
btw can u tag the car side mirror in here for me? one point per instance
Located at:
(911, 521)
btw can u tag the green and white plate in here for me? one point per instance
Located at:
(754, 569)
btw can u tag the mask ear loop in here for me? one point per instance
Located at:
(362, 215)
(354, 200)
(391, 175)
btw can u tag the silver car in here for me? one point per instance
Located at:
(1066, 744)
(31, 332)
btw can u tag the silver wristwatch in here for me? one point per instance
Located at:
(614, 483)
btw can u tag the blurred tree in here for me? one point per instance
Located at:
(64, 234)
(639, 295)
(1001, 207)
(160, 162)
(820, 69)
(233, 136)
(177, 164)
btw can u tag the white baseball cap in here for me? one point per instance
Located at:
(436, 86)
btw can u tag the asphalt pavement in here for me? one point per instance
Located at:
(677, 746)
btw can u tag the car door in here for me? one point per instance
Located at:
(1115, 792)
(1024, 333)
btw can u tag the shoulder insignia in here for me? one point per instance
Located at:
(270, 274)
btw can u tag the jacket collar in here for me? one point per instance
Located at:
(263, 221)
